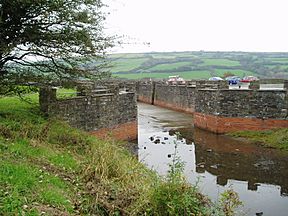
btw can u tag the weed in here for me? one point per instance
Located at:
(230, 201)
(47, 166)
(277, 138)
(173, 195)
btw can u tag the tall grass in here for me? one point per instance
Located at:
(47, 167)
(277, 138)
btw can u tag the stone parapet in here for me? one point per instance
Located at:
(47, 95)
(214, 98)
(286, 85)
(206, 84)
(102, 108)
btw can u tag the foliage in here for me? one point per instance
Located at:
(227, 74)
(173, 195)
(230, 200)
(277, 138)
(47, 166)
(50, 40)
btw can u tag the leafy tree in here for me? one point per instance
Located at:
(48, 40)
(227, 74)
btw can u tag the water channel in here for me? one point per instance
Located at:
(216, 162)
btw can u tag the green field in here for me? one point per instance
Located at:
(163, 56)
(127, 55)
(220, 62)
(279, 60)
(171, 66)
(196, 65)
(240, 73)
(184, 74)
(280, 67)
(127, 64)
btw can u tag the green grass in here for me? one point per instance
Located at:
(183, 54)
(279, 60)
(163, 56)
(281, 67)
(127, 64)
(47, 166)
(221, 62)
(185, 74)
(277, 138)
(127, 55)
(23, 183)
(171, 55)
(171, 66)
(66, 93)
(240, 73)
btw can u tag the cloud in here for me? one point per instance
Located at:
(236, 25)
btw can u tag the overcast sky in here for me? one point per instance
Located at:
(210, 25)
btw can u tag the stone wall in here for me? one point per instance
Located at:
(243, 103)
(219, 109)
(98, 108)
(146, 92)
(177, 97)
(225, 110)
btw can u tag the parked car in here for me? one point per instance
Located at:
(176, 79)
(215, 78)
(233, 80)
(249, 79)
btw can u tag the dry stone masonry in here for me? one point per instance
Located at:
(101, 107)
(219, 109)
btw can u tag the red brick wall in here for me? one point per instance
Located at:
(220, 125)
(127, 131)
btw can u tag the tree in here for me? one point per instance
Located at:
(227, 74)
(48, 40)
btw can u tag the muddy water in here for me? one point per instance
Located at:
(215, 162)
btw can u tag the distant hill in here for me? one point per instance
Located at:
(199, 64)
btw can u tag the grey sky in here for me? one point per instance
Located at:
(187, 25)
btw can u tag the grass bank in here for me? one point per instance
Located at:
(47, 167)
(277, 138)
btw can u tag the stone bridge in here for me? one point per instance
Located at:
(220, 109)
(101, 108)
(110, 107)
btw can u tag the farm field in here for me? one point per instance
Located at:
(184, 74)
(199, 64)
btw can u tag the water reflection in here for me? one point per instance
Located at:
(259, 175)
